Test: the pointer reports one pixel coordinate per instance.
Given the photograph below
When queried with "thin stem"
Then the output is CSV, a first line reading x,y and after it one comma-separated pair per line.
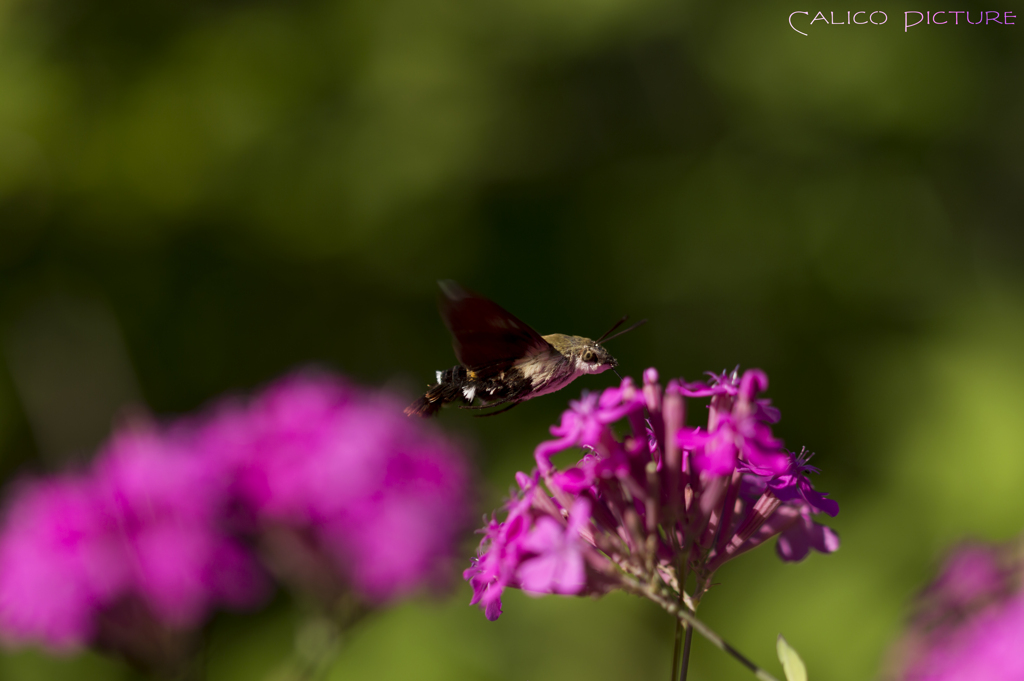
x,y
315,646
686,653
679,658
317,643
679,670
677,652
685,615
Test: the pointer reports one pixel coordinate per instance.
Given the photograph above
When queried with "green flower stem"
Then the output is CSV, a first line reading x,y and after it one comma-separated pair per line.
x,y
685,615
686,653
318,640
677,652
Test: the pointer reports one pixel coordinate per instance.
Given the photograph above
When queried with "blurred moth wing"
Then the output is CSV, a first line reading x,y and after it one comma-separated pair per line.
x,y
485,336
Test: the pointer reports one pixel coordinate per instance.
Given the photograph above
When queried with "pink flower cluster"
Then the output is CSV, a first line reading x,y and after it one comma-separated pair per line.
x,y
969,623
314,482
663,503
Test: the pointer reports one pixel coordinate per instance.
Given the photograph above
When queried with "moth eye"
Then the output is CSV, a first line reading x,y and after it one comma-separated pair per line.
x,y
588,356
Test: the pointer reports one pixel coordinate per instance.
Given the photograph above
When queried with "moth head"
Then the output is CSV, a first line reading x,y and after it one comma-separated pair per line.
x,y
592,358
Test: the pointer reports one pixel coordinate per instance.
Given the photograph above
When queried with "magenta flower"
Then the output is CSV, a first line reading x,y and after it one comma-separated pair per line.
x,y
969,623
988,646
320,483
502,550
586,422
142,528
798,536
738,425
662,503
54,573
557,563
163,506
378,498
973,575
794,486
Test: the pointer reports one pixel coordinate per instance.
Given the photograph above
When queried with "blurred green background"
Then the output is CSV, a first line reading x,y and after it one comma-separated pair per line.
x,y
198,195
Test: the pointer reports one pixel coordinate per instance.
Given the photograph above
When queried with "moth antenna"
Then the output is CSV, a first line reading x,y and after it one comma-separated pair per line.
x,y
639,323
614,326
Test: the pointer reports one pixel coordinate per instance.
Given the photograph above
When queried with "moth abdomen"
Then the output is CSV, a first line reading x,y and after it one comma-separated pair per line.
x,y
452,384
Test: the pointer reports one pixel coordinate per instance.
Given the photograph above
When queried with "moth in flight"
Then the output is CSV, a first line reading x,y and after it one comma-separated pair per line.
x,y
502,361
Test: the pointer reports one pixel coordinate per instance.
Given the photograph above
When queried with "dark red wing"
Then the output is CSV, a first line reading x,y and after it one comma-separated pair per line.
x,y
484,334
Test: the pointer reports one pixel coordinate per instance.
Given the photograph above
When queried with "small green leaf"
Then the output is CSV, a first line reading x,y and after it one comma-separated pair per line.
x,y
792,665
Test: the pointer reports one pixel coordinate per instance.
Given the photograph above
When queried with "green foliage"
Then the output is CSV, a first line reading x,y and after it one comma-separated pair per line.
x,y
792,665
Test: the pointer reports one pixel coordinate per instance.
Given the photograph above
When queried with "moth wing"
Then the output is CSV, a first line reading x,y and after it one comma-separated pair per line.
x,y
485,335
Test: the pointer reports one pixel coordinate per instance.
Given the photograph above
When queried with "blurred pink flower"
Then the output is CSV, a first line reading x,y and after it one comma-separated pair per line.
x,y
383,497
55,569
986,647
314,481
143,525
163,506
969,623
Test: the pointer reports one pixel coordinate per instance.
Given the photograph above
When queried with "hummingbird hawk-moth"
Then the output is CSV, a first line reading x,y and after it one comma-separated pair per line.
x,y
502,360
